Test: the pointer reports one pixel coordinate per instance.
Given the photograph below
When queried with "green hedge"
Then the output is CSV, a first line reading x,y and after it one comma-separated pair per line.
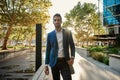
x,y
100,53
100,56
96,48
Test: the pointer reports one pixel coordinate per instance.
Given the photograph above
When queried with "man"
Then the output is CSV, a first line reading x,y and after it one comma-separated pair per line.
x,y
57,51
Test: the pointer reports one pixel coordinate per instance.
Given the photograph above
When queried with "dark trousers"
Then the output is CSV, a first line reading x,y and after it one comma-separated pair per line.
x,y
62,68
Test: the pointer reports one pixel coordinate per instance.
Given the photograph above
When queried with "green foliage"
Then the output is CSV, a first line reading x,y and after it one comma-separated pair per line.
x,y
96,48
100,53
105,49
9,46
118,41
106,60
83,19
22,13
112,51
100,56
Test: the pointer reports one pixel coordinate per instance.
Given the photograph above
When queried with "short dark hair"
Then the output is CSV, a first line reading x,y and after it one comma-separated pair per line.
x,y
57,14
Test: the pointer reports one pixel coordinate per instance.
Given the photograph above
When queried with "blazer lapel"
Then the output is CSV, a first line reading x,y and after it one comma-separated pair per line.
x,y
55,38
63,37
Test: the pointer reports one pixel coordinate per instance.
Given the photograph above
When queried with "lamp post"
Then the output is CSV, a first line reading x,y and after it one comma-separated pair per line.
x,y
98,16
38,46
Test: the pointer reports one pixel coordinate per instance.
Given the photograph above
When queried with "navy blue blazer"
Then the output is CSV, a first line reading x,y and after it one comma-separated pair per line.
x,y
52,47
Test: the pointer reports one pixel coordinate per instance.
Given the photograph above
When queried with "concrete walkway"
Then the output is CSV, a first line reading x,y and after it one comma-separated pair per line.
x,y
86,70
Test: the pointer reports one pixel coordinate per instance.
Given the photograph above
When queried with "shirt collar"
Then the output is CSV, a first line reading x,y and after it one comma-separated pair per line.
x,y
59,31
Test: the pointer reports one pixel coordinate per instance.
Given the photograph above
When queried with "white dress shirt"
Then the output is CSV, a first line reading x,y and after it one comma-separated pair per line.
x,y
59,36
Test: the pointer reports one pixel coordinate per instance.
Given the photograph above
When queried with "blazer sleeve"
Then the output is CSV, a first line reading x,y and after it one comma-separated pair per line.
x,y
48,48
72,46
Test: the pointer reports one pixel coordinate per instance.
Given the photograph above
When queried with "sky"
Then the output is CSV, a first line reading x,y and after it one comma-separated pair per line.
x,y
63,7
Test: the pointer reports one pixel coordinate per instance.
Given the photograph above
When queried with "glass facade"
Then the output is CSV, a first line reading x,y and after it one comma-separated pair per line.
x,y
111,12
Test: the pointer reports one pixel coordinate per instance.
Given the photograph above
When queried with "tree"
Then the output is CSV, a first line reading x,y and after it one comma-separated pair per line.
x,y
84,20
22,12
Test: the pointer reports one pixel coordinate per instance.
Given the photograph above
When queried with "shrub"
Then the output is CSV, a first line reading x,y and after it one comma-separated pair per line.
x,y
96,48
112,51
9,46
106,60
118,41
99,53
99,56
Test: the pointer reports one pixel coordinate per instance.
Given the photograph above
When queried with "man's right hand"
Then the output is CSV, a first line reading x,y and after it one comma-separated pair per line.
x,y
46,70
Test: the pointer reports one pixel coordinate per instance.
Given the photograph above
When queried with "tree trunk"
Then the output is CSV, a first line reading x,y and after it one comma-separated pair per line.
x,y
4,46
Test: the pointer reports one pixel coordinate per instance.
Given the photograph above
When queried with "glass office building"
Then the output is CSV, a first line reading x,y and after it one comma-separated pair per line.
x,y
111,12
111,20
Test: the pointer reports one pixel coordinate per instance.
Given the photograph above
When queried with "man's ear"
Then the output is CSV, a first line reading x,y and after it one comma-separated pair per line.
x,y
61,21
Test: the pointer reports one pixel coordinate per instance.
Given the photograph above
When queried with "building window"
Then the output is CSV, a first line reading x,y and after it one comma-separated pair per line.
x,y
111,31
119,30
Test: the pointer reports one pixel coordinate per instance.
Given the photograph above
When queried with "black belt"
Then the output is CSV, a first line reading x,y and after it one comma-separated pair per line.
x,y
61,59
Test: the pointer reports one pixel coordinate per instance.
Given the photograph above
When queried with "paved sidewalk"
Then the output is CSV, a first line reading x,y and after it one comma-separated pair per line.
x,y
86,70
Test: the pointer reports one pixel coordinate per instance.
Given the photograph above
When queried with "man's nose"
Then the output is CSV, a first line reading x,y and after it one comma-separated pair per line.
x,y
57,21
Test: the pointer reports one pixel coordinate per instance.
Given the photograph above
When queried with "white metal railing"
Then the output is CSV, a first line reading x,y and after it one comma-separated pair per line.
x,y
40,74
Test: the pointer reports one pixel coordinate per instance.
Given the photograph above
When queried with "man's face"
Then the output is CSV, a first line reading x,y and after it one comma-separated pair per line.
x,y
57,21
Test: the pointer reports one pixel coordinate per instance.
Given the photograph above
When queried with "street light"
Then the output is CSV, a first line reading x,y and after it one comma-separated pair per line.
x,y
98,16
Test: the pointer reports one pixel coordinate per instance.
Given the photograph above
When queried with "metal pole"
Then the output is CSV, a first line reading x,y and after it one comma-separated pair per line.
x,y
98,16
38,46
98,23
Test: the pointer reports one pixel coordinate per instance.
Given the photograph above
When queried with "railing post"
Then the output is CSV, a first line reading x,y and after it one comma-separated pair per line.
x,y
38,46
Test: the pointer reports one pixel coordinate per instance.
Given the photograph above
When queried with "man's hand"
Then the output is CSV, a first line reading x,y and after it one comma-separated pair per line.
x,y
71,61
46,70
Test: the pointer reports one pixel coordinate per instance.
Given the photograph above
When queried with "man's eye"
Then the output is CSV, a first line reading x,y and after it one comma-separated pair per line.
x,y
56,19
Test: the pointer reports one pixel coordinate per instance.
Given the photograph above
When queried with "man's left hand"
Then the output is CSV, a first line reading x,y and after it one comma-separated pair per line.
x,y
71,61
